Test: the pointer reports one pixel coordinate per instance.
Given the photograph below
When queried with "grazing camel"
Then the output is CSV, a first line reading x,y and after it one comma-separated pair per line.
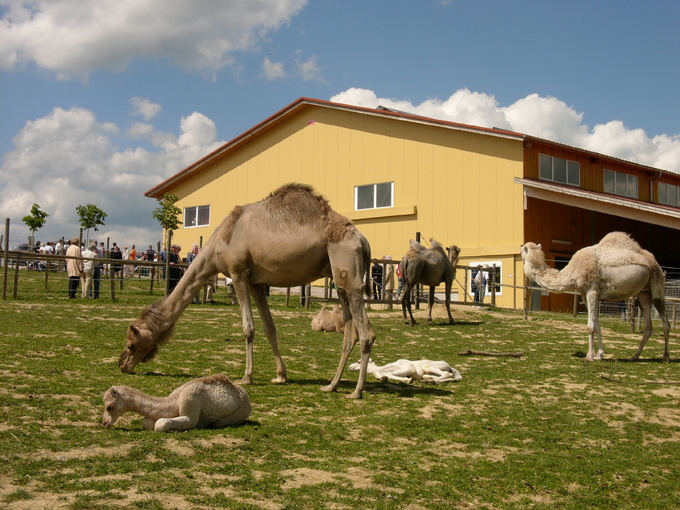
x,y
288,239
403,370
328,320
212,401
616,268
429,266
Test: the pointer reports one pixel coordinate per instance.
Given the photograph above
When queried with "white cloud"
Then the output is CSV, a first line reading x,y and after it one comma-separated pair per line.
x,y
68,158
142,107
545,117
309,69
273,70
72,37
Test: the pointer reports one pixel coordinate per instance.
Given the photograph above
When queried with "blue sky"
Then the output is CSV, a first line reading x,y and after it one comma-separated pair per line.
x,y
100,103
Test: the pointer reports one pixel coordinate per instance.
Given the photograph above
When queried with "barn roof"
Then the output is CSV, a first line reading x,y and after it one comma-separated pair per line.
x,y
381,111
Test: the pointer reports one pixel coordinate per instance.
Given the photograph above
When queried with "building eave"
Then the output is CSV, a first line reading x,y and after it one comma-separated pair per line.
x,y
602,202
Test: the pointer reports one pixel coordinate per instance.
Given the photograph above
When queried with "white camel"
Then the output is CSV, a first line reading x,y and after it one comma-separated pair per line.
x,y
614,269
329,320
212,401
404,370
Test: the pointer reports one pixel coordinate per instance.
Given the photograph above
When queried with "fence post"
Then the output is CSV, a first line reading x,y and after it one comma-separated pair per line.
x,y
287,296
151,273
47,270
465,294
308,289
493,285
575,305
112,279
6,258
168,240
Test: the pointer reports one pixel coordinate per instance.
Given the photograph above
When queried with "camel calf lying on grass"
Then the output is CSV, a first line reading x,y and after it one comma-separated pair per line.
x,y
406,371
212,401
329,320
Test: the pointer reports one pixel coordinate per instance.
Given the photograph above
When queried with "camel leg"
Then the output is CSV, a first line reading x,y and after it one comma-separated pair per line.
x,y
270,330
660,306
366,338
430,304
645,300
349,339
593,302
447,298
406,303
240,283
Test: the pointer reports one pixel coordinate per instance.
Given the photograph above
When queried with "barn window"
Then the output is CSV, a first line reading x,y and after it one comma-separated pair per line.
x,y
374,196
668,194
196,216
620,183
559,170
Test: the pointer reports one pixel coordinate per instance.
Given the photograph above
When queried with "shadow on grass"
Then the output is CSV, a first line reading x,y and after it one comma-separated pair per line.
x,y
581,354
161,374
405,390
456,324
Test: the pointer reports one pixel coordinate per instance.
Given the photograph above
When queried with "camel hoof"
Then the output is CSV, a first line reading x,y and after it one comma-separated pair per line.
x,y
355,394
245,380
666,358
280,380
633,358
328,388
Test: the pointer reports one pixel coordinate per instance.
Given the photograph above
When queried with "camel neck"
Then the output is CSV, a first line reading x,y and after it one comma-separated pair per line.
x,y
147,405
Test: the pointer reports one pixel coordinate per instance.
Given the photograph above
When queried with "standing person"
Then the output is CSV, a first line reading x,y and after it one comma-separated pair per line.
x,y
74,267
174,271
60,250
133,257
88,269
116,254
190,258
400,279
377,277
388,277
126,256
97,276
150,254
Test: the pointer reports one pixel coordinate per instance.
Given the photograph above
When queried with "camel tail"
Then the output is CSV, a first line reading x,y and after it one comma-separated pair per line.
x,y
367,266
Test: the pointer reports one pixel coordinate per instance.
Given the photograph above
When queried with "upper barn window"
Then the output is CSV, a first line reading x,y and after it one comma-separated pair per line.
x,y
374,196
620,183
669,194
559,170
197,216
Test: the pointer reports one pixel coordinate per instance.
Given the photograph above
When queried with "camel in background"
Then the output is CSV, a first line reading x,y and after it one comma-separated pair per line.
x,y
288,239
429,266
616,268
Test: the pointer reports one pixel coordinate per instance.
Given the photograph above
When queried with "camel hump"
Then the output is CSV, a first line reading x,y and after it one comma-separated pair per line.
x,y
215,379
434,244
415,245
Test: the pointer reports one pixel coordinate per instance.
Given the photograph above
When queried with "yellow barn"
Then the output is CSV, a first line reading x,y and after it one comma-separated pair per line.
x,y
398,175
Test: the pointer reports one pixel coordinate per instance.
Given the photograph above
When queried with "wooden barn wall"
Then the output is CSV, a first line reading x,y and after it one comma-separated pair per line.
x,y
555,226
592,167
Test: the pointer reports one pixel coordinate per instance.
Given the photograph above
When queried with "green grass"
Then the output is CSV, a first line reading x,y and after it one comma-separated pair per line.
x,y
547,430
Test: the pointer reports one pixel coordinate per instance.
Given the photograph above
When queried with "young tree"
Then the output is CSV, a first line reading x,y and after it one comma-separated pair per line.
x,y
90,216
36,219
167,214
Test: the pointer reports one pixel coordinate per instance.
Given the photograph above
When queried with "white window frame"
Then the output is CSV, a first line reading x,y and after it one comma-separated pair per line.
x,y
630,193
195,209
375,196
499,271
552,170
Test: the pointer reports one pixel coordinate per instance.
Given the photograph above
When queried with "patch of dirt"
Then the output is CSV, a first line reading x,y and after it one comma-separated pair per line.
x,y
84,453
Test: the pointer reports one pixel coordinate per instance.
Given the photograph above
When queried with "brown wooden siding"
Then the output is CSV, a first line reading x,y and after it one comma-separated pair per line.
x,y
592,168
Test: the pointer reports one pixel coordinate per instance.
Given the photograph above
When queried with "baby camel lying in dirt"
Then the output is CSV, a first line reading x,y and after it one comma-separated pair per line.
x,y
404,370
329,320
212,401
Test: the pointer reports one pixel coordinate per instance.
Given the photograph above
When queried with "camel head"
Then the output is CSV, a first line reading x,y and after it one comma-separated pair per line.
x,y
453,252
143,338
355,367
114,407
532,252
